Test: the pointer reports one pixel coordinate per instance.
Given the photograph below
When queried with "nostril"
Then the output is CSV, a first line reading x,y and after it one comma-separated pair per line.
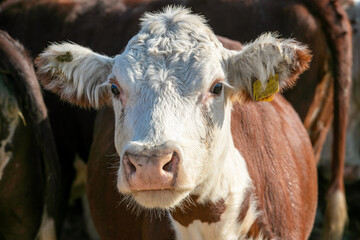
x,y
132,167
129,165
169,166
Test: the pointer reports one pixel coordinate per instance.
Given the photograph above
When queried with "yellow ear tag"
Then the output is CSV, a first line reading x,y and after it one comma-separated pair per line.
x,y
267,94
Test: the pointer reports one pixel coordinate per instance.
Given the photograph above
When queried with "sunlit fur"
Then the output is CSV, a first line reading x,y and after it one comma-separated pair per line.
x,y
80,76
165,74
267,55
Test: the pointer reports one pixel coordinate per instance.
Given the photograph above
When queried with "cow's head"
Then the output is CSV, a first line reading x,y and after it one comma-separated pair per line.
x,y
171,91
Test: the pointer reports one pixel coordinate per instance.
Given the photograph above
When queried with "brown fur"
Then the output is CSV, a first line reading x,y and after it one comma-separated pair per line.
x,y
303,62
192,210
279,142
320,115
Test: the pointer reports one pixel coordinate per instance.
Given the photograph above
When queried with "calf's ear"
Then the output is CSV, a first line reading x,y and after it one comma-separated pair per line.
x,y
265,66
76,74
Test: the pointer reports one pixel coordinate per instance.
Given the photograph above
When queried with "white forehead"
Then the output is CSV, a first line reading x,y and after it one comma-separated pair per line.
x,y
173,47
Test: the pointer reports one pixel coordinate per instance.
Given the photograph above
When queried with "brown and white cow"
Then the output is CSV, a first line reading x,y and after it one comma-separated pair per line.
x,y
220,169
321,24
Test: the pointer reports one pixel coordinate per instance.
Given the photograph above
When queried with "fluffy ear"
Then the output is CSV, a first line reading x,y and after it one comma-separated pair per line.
x,y
76,74
263,58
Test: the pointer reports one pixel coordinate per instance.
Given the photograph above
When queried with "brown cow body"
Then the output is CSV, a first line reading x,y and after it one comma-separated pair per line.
x,y
29,171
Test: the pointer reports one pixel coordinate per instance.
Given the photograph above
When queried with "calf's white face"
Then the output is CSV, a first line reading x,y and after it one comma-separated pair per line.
x,y
170,90
171,101
166,106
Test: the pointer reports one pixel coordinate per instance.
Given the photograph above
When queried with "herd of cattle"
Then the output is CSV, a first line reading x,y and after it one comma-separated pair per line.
x,y
171,123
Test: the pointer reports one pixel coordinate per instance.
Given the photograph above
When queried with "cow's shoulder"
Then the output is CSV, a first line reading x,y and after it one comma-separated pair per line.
x,y
273,141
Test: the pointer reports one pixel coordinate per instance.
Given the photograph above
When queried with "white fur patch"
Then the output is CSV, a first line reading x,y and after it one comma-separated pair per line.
x,y
47,230
226,229
76,70
267,55
197,230
221,185
335,216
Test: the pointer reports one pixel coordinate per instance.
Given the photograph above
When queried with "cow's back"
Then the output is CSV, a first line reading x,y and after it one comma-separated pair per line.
x,y
280,160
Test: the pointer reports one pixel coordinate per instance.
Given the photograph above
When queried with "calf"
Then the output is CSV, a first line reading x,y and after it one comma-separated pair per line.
x,y
191,141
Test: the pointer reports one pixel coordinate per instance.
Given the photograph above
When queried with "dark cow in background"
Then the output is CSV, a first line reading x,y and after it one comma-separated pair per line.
x,y
29,167
74,20
86,22
353,130
352,163
353,133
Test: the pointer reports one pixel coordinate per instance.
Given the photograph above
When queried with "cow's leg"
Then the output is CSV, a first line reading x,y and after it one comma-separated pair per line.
x,y
47,229
320,115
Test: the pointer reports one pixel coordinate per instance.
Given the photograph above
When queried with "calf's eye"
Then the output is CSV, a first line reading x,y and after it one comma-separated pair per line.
x,y
216,89
115,90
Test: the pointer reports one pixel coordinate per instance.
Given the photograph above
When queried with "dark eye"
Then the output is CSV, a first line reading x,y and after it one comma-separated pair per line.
x,y
216,89
115,90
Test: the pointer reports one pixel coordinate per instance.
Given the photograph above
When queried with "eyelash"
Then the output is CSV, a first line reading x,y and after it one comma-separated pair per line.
x,y
216,89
